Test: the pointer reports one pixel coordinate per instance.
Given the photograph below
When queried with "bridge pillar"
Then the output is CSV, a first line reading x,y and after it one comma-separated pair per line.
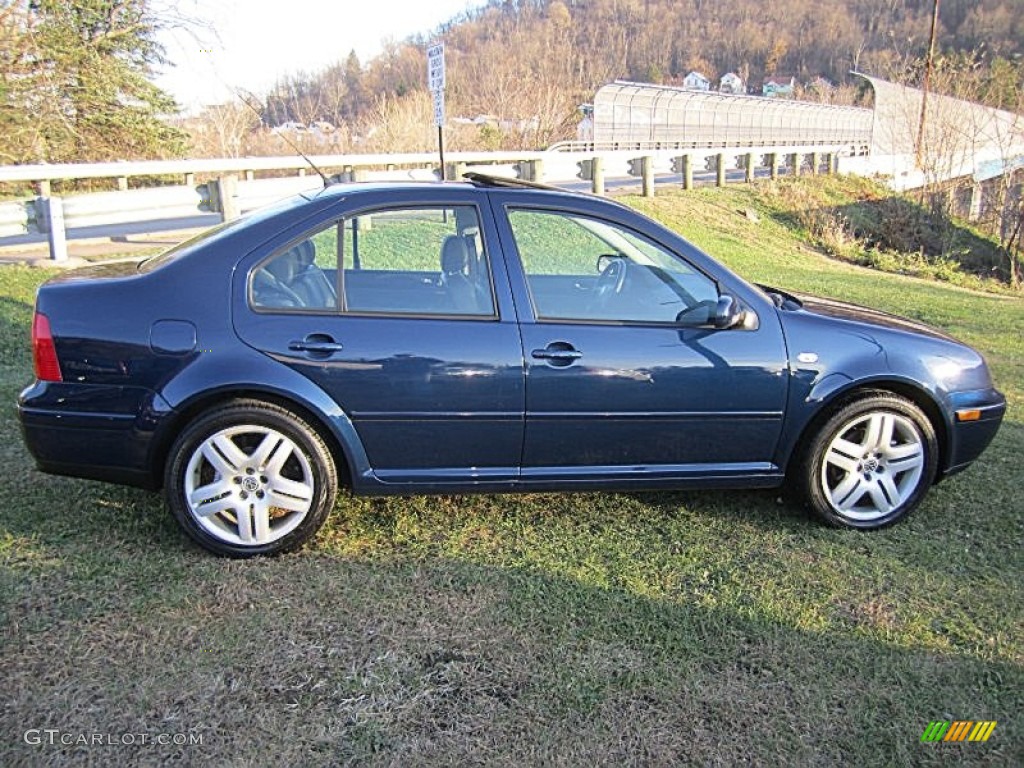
x,y
774,165
815,163
977,199
720,169
750,168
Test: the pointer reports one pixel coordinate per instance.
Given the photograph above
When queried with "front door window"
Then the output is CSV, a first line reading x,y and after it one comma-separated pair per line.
x,y
583,269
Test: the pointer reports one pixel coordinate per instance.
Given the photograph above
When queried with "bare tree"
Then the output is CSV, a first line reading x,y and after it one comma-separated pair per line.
x,y
224,130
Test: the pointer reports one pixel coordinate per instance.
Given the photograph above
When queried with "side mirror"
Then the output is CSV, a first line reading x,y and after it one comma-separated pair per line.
x,y
727,312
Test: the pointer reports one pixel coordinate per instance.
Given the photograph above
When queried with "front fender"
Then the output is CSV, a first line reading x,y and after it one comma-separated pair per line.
x,y
829,360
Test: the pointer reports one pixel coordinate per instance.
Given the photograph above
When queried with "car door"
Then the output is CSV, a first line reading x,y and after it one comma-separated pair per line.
x,y
626,375
401,313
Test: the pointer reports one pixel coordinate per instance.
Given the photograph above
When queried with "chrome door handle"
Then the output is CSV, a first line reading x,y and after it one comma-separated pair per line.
x,y
556,354
559,354
317,343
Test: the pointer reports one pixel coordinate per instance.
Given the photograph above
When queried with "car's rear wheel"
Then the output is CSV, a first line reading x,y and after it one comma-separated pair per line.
x,y
871,463
250,478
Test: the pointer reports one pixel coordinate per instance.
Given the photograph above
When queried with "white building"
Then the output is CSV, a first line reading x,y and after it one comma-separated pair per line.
x,y
732,83
695,81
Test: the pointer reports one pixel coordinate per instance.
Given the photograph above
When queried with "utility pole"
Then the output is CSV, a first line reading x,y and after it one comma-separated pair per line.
x,y
924,86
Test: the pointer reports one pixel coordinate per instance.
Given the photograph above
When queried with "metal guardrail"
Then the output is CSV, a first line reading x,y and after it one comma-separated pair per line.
x,y
234,190
852,148
247,166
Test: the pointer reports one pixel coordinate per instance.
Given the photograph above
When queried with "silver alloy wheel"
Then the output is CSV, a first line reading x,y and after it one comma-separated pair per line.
x,y
249,485
873,465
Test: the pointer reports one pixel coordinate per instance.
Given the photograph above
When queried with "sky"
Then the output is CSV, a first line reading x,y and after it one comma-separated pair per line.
x,y
249,44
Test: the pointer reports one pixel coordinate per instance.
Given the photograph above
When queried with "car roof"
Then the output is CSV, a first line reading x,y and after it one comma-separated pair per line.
x,y
473,180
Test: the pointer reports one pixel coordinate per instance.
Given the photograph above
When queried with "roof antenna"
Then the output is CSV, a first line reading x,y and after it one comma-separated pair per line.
x,y
242,95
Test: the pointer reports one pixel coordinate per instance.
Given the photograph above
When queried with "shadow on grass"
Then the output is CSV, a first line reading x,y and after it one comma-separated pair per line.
x,y
341,660
596,629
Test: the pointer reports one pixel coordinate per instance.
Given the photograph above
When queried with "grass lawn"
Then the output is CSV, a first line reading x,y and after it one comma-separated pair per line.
x,y
718,628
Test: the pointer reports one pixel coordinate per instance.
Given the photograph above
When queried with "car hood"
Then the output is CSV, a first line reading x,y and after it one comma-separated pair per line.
x,y
844,310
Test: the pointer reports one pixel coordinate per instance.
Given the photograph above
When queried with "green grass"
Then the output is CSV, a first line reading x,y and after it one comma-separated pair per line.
x,y
717,628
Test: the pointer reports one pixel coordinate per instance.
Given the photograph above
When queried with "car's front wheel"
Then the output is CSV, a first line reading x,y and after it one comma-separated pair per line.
x,y
870,463
250,478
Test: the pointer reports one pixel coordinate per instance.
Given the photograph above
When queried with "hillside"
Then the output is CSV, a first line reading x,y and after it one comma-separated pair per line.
x,y
517,59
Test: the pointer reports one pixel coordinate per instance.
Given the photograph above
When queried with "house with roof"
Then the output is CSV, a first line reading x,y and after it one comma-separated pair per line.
x,y
778,86
822,87
695,81
732,83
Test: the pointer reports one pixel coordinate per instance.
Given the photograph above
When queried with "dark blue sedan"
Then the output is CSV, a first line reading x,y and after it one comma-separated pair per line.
x,y
479,337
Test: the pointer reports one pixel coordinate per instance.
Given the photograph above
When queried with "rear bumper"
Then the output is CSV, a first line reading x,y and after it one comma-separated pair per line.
x,y
99,433
969,438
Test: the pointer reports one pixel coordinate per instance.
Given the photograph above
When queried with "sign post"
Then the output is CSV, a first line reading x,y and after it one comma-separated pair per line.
x,y
435,78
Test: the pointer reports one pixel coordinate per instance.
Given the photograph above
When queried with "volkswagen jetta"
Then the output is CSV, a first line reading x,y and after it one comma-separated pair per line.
x,y
479,337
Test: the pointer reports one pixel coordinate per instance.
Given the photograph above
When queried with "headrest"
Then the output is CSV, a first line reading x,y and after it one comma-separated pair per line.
x,y
305,253
290,263
283,267
453,255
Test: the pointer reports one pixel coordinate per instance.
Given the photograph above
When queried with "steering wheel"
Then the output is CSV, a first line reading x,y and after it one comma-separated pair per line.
x,y
610,282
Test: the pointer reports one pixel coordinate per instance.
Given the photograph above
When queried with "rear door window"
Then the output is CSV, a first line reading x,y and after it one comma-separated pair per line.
x,y
403,261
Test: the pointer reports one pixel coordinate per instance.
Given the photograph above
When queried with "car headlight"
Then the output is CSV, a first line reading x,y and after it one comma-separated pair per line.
x,y
954,374
944,369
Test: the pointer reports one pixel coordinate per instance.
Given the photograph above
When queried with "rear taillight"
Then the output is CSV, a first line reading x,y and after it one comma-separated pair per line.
x,y
44,353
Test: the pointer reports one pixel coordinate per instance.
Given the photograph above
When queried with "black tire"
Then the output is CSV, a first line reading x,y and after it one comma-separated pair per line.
x,y
881,481
270,480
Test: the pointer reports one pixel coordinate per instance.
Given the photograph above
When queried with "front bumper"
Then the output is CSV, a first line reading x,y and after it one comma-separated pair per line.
x,y
968,439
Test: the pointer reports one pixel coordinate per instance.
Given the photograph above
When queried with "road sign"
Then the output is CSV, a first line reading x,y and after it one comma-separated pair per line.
x,y
435,67
435,78
439,108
